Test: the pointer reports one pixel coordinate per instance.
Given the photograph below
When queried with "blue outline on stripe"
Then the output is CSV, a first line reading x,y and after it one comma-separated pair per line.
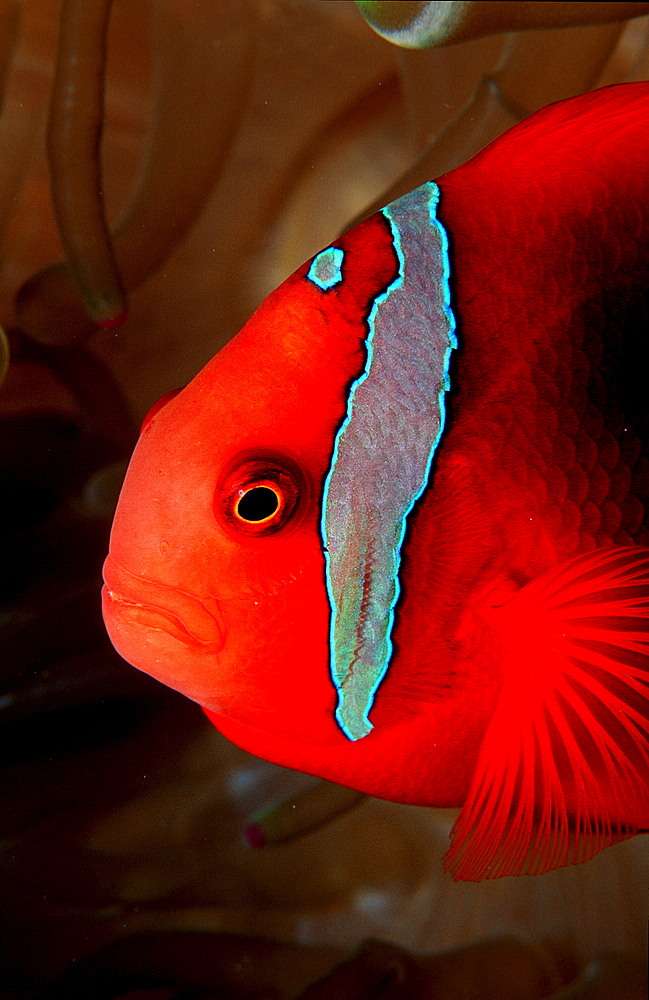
x,y
433,201
331,259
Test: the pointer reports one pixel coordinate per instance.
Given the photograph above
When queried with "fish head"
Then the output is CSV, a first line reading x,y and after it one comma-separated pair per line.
x,y
215,579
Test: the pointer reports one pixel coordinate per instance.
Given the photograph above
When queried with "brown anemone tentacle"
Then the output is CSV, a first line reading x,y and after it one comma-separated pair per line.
x,y
10,18
74,137
421,25
573,60
302,814
203,73
4,355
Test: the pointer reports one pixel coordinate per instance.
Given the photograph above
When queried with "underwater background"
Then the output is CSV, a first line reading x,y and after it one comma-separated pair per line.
x,y
239,136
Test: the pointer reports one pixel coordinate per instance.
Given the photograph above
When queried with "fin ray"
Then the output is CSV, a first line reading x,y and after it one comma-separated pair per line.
x,y
565,759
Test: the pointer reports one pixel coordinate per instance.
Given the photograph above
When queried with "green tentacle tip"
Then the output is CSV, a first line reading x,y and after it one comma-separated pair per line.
x,y
106,310
415,24
388,17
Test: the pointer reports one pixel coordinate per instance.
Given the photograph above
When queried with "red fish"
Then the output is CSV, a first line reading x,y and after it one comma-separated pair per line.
x,y
396,533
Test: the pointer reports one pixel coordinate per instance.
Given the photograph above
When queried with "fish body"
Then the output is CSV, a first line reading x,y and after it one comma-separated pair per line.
x,y
396,532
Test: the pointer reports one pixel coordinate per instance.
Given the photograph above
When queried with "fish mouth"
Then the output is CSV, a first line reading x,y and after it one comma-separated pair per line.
x,y
136,600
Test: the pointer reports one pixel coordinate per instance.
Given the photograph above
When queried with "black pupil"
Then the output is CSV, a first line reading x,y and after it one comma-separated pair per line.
x,y
258,504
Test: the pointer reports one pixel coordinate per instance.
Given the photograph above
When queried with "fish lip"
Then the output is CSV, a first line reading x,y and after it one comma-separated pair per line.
x,y
164,608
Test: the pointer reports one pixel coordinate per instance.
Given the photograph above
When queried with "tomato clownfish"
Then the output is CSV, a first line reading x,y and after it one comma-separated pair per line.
x,y
396,533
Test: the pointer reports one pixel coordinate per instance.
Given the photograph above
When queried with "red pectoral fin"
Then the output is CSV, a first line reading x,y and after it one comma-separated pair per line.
x,y
564,766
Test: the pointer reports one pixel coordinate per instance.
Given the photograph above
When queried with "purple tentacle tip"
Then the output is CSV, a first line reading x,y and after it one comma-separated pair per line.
x,y
113,321
255,836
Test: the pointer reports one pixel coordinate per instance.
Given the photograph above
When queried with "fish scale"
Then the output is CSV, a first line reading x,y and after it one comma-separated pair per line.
x,y
573,367
443,597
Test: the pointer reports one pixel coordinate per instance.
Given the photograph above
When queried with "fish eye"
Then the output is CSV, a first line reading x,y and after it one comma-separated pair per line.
x,y
258,504
260,495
